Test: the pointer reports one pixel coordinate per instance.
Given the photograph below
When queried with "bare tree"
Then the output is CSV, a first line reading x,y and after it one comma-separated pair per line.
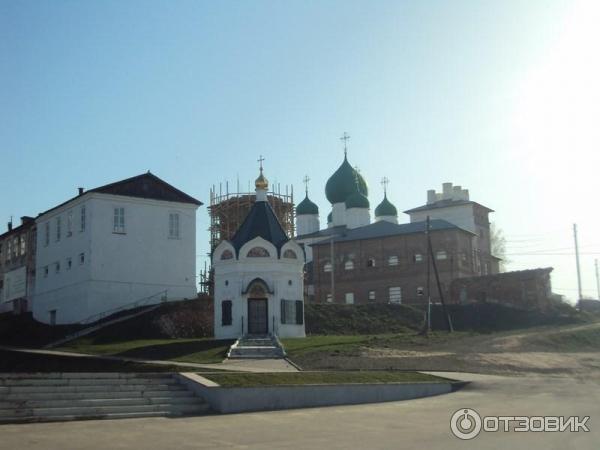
x,y
498,245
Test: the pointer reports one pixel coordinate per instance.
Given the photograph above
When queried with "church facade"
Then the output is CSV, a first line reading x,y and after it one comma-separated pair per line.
x,y
259,277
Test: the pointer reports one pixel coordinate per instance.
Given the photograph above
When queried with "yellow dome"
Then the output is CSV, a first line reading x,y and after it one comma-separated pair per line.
x,y
261,182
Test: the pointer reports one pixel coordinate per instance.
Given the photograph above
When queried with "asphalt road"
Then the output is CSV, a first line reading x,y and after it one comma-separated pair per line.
x,y
422,423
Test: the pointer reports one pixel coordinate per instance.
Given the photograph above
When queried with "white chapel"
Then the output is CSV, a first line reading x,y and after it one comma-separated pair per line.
x,y
259,277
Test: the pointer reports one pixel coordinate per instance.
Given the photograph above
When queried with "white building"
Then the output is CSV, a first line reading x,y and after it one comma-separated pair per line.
x,y
113,246
259,277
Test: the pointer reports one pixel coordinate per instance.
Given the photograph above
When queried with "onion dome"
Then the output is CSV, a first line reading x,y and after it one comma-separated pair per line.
x,y
357,200
330,217
306,207
343,183
385,208
261,182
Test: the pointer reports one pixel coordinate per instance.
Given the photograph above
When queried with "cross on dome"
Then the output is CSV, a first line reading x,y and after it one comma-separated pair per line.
x,y
345,137
384,182
305,181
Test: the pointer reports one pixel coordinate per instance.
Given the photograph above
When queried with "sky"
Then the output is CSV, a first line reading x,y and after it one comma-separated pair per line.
x,y
502,98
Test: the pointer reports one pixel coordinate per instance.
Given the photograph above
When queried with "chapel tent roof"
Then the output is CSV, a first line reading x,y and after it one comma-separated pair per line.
x,y
262,222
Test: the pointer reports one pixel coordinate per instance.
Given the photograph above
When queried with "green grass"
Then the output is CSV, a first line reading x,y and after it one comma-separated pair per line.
x,y
201,351
245,379
578,340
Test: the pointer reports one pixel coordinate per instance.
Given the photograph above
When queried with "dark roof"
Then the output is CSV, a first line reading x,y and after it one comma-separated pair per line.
x,y
323,233
27,222
383,229
262,222
146,185
445,204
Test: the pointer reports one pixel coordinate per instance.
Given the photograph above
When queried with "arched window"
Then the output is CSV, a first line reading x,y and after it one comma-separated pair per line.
x,y
290,254
258,252
327,267
349,265
227,255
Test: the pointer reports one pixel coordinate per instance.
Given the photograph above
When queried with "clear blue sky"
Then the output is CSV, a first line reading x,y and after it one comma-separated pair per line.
x,y
501,97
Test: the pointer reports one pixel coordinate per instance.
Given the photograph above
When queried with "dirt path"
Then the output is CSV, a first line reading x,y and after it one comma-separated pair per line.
x,y
572,350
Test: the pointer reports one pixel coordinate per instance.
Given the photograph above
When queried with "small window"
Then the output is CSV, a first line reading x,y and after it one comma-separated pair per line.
x,y
82,219
371,262
81,258
226,317
58,229
327,267
258,252
46,270
226,282
57,267
47,234
226,255
69,263
349,298
441,254
395,295
372,296
119,220
289,282
418,257
23,245
292,312
393,261
329,298
173,226
349,265
290,254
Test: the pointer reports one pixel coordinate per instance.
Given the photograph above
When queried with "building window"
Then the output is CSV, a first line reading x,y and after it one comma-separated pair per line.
x,y
16,248
290,254
292,312
47,234
371,262
417,257
173,226
58,221
70,223
23,245
82,219
46,270
349,298
119,220
81,258
393,261
329,298
57,267
69,263
226,318
8,250
258,252
226,255
349,265
395,295
372,296
327,267
441,254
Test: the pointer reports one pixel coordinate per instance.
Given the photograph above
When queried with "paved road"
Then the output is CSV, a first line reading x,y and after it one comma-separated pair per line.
x,y
422,423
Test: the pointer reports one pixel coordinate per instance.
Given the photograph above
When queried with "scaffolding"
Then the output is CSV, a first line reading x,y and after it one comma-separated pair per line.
x,y
229,209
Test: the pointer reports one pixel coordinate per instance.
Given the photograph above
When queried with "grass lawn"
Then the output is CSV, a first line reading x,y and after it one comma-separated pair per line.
x,y
245,379
21,362
202,351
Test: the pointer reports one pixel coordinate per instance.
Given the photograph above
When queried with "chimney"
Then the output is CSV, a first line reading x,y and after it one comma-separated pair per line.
x,y
456,193
10,225
431,197
26,219
447,191
80,189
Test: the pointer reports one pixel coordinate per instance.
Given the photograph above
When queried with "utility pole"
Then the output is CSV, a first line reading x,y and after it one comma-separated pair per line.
x,y
428,279
597,280
577,261
439,286
332,259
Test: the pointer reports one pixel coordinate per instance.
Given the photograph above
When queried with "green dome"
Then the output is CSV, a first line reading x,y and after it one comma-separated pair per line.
x,y
357,200
343,183
330,217
385,208
306,207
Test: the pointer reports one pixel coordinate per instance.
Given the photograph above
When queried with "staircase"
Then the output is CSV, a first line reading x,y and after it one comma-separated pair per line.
x,y
76,396
256,347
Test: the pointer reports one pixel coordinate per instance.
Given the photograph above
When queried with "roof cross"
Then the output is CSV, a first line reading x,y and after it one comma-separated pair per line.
x,y
384,182
260,161
345,137
306,180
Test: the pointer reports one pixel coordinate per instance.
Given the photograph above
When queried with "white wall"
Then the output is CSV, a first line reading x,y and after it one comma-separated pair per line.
x,y
459,215
307,223
119,269
357,217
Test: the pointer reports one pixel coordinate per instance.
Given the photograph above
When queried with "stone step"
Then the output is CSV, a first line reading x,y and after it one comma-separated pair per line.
x,y
58,382
165,412
40,396
93,402
102,410
89,388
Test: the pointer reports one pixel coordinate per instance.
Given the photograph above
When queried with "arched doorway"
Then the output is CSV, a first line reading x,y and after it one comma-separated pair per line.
x,y
258,309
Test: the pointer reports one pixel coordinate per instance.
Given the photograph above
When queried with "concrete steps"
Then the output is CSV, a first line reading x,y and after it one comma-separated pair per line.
x,y
251,347
76,396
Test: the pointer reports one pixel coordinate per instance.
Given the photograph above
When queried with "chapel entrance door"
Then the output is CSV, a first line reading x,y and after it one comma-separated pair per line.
x,y
257,316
